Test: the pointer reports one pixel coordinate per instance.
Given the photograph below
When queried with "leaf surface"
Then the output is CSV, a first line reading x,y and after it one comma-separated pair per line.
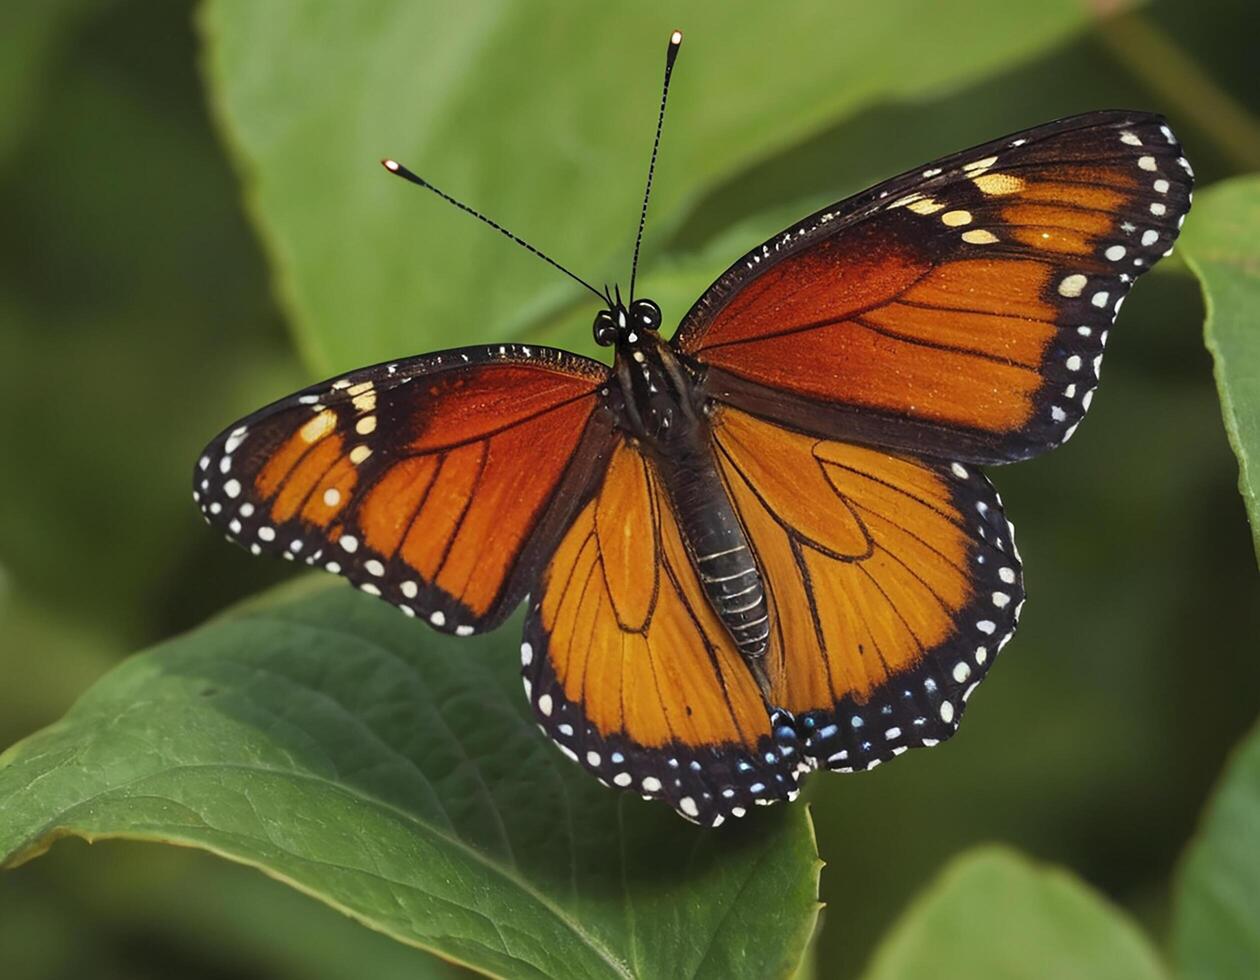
x,y
993,913
1215,932
542,120
394,774
1222,246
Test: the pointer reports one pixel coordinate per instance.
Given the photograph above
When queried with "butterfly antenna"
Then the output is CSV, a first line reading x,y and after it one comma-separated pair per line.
x,y
671,53
394,167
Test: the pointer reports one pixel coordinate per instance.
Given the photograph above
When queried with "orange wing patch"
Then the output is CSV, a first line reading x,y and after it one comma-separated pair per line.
x,y
290,490
961,310
917,355
631,672
438,484
874,650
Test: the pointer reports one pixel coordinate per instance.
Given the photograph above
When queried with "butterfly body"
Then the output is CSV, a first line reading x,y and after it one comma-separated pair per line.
x,y
663,408
765,545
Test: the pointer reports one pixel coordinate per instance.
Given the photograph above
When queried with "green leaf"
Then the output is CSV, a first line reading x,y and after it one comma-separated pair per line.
x,y
993,913
1216,930
541,119
87,911
396,775
1222,245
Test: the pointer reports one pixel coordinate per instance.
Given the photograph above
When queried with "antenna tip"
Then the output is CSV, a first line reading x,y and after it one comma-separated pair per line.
x,y
676,38
391,165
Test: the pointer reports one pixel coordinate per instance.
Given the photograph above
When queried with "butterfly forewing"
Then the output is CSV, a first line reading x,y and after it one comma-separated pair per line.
x,y
438,483
960,310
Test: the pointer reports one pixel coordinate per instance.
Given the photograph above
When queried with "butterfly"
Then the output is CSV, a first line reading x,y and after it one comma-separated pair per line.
x,y
766,545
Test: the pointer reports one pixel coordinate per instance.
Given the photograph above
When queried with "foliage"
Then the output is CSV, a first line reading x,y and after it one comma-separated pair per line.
x,y
1223,248
992,913
1219,902
406,267
399,779
139,304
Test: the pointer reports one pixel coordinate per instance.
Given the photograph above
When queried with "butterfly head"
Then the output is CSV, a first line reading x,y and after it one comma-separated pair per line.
x,y
626,327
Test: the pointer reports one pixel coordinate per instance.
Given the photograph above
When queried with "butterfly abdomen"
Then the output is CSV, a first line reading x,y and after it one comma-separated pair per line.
x,y
719,549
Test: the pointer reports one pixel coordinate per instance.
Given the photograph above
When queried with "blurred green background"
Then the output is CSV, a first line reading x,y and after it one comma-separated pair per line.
x,y
138,315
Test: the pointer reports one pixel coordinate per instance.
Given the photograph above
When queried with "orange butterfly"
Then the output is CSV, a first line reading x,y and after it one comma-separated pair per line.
x,y
764,546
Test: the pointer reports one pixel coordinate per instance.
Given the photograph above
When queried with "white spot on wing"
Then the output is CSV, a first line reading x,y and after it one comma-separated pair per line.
x,y
1072,285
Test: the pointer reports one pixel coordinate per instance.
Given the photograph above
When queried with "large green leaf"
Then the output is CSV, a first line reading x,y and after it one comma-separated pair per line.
x,y
541,117
1222,245
1217,927
992,913
396,775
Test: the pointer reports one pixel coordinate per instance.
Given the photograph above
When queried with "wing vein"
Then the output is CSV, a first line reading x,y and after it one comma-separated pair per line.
x,y
424,498
491,433
830,321
463,513
937,345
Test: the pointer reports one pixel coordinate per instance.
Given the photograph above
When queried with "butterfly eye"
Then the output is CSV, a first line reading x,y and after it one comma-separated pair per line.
x,y
605,329
645,314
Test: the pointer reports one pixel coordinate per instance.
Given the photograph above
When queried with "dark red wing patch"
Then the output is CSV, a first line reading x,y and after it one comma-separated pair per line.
x,y
439,483
959,311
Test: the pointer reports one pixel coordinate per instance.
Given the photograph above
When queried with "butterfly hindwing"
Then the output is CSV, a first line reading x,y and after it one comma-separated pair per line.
x,y
630,671
438,483
893,583
959,311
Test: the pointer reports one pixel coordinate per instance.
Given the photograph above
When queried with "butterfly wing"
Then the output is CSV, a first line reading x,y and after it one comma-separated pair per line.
x,y
439,483
958,311
893,582
630,671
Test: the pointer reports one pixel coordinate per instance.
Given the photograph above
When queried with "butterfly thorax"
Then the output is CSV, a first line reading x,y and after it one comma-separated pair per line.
x,y
660,403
